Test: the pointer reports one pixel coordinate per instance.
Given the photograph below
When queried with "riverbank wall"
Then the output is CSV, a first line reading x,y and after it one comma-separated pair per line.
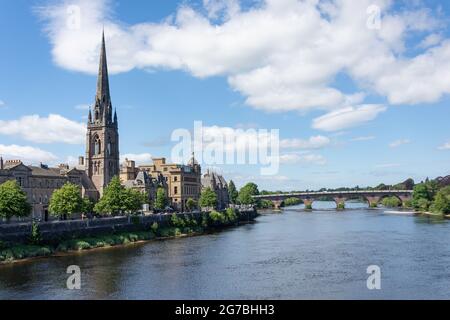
x,y
71,229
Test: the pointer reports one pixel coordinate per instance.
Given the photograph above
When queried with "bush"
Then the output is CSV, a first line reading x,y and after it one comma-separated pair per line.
x,y
154,228
231,215
391,202
217,218
177,222
35,237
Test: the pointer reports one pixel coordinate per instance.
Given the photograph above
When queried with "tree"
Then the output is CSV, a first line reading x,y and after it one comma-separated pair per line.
x,y
391,202
117,199
421,196
88,206
441,202
161,199
208,198
246,193
232,192
66,201
13,201
191,204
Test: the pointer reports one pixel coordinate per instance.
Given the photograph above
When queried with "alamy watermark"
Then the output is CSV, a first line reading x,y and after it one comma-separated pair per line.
x,y
217,146
74,280
374,280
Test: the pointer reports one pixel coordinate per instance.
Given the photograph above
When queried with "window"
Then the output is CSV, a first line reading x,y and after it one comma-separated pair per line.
x,y
175,190
97,146
175,179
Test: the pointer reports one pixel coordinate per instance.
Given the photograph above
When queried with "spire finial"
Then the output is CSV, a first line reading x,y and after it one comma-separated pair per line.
x,y
103,82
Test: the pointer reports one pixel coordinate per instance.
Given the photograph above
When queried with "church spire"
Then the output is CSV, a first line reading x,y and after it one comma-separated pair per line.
x,y
103,82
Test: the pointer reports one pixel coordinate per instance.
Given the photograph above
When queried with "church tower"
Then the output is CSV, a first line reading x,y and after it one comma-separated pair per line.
x,y
102,142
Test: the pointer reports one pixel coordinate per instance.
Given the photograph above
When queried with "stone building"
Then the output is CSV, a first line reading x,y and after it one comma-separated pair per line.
x,y
218,184
39,183
133,178
181,181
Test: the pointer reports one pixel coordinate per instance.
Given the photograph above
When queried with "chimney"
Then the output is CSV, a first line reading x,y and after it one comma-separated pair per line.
x,y
81,161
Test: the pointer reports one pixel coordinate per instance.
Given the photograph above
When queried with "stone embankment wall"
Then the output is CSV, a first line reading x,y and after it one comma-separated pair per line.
x,y
57,230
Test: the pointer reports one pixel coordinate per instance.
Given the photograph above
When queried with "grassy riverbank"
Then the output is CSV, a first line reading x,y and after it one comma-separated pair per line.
x,y
178,227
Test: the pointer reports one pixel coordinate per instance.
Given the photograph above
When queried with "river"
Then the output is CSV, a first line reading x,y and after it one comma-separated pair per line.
x,y
322,254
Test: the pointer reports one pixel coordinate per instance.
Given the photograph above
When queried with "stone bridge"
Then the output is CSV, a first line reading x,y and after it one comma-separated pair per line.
x,y
373,197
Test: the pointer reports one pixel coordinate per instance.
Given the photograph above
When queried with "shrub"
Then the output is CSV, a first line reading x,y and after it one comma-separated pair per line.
x,y
35,237
391,202
231,215
177,222
154,227
217,217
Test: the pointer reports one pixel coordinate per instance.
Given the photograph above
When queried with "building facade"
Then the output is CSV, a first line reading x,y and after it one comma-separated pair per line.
x,y
181,182
39,183
218,184
134,178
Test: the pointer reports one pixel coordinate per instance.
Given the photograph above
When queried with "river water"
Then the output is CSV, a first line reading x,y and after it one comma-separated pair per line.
x,y
294,255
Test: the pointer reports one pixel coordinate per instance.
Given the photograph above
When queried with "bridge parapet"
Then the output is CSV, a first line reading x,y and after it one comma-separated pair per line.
x,y
372,196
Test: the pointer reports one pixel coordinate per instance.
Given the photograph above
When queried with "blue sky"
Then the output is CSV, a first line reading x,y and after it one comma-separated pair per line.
x,y
396,112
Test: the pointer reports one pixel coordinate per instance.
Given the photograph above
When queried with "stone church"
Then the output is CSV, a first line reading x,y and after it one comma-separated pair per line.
x,y
93,172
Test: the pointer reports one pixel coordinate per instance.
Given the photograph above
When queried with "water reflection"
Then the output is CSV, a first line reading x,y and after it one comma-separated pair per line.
x,y
294,255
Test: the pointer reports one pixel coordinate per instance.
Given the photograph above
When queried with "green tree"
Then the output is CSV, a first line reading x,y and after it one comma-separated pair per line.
x,y
391,202
191,204
208,198
117,199
161,201
88,205
246,193
233,194
35,236
13,201
132,200
421,196
441,202
66,201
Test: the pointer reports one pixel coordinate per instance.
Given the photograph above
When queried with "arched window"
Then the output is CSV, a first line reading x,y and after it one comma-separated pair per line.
x,y
97,145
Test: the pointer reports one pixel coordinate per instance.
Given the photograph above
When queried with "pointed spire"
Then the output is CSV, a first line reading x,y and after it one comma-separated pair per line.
x,y
115,116
90,116
103,82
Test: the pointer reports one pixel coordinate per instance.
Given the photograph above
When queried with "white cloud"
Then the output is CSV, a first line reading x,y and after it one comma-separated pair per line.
x,y
317,142
348,117
142,158
52,129
445,146
399,142
26,153
2,103
282,55
365,138
294,158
